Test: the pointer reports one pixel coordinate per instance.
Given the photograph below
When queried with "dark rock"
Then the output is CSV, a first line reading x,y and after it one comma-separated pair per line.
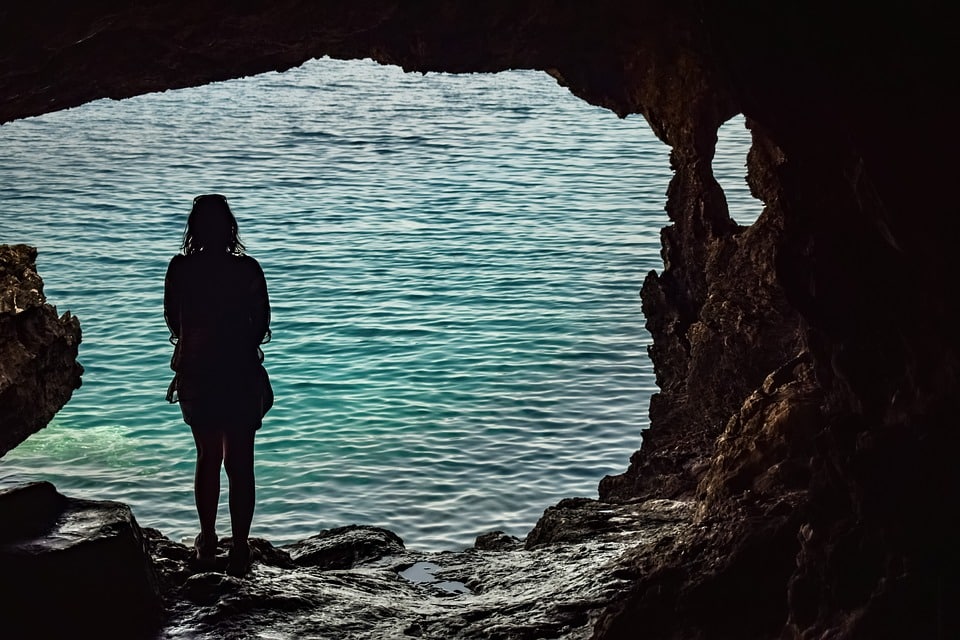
x,y
345,547
766,446
725,333
263,552
209,587
38,350
177,568
576,520
85,569
695,584
497,541
29,510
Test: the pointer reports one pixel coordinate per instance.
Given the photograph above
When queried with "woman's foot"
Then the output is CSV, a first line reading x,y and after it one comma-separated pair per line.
x,y
205,550
238,563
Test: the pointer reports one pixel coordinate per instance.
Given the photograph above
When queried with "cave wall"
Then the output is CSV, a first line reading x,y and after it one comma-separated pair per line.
x,y
807,364
830,488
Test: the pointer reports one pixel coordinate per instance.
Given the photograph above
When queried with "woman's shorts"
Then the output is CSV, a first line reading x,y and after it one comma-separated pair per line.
x,y
238,403
244,411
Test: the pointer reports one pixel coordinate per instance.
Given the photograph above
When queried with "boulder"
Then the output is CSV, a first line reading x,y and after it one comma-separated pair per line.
x,y
345,547
38,350
73,567
497,541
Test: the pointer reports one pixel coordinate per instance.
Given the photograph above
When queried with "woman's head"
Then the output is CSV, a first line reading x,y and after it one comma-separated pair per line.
x,y
211,226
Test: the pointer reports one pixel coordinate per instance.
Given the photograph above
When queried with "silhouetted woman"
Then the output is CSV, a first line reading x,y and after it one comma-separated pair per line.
x,y
216,305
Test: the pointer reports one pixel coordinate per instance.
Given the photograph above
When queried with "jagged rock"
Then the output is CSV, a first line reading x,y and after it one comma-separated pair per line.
x,y
208,587
345,547
753,502
697,584
725,334
579,519
38,350
497,541
73,566
766,447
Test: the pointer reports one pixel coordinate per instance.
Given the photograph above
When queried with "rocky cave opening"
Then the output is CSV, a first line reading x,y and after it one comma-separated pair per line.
x,y
112,446
807,364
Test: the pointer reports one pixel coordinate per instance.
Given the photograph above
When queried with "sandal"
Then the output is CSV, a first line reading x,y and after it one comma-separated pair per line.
x,y
238,563
204,550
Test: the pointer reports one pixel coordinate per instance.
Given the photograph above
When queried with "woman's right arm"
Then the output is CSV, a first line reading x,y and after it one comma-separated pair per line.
x,y
171,299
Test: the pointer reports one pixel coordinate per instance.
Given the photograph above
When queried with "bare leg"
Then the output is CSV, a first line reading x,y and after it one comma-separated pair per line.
x,y
206,481
238,460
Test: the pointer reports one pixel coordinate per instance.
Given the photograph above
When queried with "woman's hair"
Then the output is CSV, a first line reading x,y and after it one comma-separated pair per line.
x,y
211,225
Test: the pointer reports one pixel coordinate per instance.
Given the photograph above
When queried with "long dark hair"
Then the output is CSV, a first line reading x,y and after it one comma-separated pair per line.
x,y
211,225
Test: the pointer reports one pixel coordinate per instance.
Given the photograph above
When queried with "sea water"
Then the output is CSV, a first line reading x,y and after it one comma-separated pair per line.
x,y
453,264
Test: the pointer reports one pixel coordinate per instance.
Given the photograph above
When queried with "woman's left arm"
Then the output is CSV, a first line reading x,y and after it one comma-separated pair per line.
x,y
260,307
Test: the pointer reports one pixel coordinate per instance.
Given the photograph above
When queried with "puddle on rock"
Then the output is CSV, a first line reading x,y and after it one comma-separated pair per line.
x,y
424,573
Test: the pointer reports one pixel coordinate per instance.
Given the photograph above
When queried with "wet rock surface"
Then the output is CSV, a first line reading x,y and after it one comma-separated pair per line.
x,y
38,350
555,590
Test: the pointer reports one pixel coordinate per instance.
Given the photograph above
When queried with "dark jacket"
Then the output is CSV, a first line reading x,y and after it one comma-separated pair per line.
x,y
218,311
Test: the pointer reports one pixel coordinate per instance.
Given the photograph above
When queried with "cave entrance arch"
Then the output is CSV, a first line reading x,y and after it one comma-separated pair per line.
x,y
264,192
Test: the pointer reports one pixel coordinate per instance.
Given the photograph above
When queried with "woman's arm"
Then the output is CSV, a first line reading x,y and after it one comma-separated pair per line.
x,y
171,300
260,305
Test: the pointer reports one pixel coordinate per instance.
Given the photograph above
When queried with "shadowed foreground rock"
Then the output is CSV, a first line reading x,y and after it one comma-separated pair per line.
x,y
38,350
73,568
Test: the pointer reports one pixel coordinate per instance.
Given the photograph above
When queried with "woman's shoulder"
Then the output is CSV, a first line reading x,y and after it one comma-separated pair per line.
x,y
176,262
248,262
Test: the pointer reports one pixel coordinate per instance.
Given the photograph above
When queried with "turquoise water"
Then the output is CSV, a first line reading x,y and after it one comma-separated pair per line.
x,y
453,263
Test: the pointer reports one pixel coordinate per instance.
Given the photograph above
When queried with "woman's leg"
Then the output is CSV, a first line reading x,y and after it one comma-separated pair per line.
x,y
206,481
238,460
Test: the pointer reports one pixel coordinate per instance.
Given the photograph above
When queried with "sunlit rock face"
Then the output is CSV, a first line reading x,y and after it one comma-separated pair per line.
x,y
808,364
38,350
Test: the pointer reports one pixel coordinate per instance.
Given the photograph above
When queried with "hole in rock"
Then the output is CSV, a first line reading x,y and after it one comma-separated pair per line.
x,y
453,262
730,170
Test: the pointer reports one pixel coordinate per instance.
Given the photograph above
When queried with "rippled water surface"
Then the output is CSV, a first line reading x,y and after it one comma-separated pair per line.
x,y
453,263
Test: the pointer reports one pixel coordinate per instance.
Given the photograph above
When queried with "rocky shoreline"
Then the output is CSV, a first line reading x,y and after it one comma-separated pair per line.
x,y
90,562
